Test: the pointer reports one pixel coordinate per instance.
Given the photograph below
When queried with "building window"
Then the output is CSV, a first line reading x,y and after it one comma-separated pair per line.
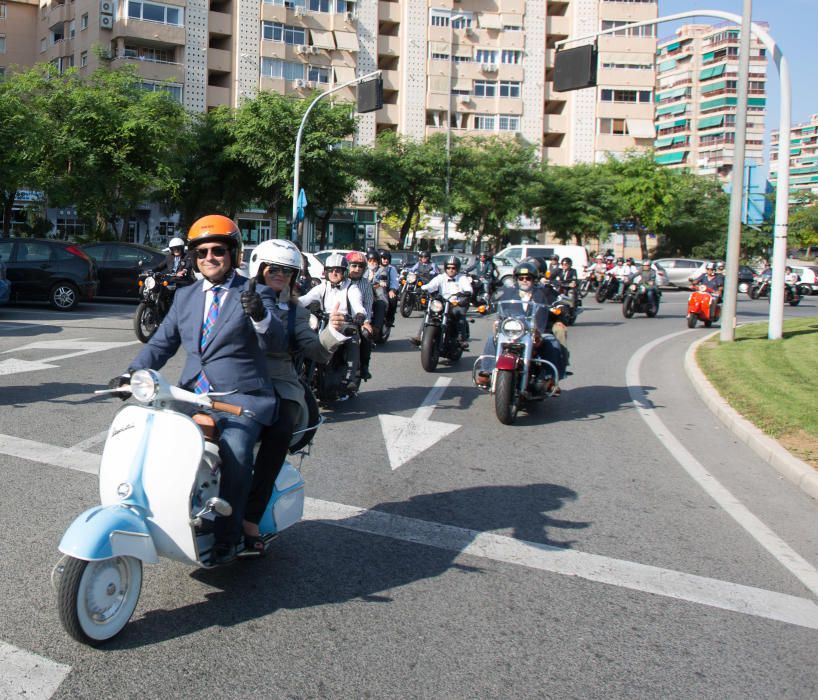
x,y
625,95
276,68
509,88
484,122
440,57
2,43
72,29
439,18
509,123
648,31
69,229
154,12
511,56
2,10
318,74
147,53
462,59
327,5
485,88
512,28
461,22
275,31
43,45
628,66
485,56
174,91
287,3
83,59
613,126
84,21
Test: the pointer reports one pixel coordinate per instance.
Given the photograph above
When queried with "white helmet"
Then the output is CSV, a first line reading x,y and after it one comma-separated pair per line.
x,y
336,260
275,252
176,243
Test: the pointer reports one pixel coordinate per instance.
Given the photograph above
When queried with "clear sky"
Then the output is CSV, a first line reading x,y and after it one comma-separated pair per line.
x,y
793,25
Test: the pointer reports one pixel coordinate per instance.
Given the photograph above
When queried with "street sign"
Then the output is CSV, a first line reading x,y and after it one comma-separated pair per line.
x,y
575,68
370,95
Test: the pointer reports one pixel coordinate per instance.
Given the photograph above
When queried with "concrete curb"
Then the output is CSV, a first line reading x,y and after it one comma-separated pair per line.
x,y
795,470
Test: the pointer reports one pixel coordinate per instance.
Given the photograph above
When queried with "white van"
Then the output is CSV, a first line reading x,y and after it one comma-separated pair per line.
x,y
577,253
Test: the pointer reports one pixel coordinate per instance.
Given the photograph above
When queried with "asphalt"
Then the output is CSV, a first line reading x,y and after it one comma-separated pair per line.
x,y
770,450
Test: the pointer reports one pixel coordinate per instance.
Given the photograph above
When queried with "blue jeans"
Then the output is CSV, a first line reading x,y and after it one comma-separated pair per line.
x,y
238,438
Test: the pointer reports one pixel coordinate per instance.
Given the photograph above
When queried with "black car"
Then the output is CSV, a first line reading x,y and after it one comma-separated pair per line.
x,y
44,270
120,265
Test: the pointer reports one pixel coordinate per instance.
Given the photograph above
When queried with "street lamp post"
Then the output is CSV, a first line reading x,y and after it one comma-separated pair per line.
x,y
448,187
297,159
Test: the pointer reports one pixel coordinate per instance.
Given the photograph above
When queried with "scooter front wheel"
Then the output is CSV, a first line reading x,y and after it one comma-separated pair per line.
x,y
95,599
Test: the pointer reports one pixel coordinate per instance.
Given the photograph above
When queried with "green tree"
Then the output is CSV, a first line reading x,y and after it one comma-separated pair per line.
x,y
493,184
803,220
576,202
404,174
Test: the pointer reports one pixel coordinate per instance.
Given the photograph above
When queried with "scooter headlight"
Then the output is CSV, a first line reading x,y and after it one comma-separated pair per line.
x,y
150,283
143,386
513,328
436,305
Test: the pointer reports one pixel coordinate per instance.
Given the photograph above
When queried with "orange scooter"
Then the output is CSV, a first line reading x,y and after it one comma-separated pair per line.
x,y
703,305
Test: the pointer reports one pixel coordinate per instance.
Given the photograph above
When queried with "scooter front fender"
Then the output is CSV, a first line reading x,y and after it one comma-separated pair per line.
x,y
104,532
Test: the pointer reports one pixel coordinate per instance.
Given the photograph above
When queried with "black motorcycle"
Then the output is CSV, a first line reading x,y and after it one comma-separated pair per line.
x,y
156,292
760,288
483,294
338,379
412,297
607,289
637,300
439,336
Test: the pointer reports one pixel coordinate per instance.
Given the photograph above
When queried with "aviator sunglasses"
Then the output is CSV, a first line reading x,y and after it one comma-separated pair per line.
x,y
218,251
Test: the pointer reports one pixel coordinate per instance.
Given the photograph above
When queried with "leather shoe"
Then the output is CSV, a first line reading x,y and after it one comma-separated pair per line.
x,y
224,554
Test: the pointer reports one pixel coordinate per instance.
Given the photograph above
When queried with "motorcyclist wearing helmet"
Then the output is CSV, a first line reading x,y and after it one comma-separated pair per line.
x,y
225,326
553,265
176,262
336,293
276,264
553,349
357,265
566,279
598,266
714,283
622,272
647,276
424,267
393,286
486,270
378,278
451,283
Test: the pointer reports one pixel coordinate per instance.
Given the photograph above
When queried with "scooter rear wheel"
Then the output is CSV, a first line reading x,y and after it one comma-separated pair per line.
x,y
691,320
95,599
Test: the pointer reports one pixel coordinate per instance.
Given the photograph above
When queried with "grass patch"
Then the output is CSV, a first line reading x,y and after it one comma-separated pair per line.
x,y
772,383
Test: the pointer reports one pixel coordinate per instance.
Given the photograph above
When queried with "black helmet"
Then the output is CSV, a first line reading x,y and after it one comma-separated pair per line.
x,y
555,258
425,254
620,261
386,254
536,263
568,260
630,261
527,268
452,260
372,254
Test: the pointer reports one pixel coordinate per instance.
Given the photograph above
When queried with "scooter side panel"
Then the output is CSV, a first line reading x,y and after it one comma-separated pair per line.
x,y
157,453
103,532
286,506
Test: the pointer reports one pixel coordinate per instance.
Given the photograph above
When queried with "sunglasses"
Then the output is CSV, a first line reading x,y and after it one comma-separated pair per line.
x,y
451,267
336,269
218,251
356,264
278,270
524,278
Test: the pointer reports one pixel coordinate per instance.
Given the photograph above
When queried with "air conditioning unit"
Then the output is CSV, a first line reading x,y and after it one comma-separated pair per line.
x,y
315,49
106,22
106,7
488,67
351,17
298,83
300,11
302,48
310,84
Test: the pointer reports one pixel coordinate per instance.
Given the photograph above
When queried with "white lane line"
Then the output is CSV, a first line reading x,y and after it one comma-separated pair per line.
x,y
90,442
649,579
26,675
624,574
786,555
49,454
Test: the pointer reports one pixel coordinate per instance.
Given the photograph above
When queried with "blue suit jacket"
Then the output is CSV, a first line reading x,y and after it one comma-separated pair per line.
x,y
235,355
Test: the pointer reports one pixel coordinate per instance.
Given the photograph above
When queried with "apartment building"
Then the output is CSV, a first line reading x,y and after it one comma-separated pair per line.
x,y
803,156
696,98
477,67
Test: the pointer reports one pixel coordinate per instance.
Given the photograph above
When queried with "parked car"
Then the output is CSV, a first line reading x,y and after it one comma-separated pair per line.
x,y
44,270
679,270
5,285
577,253
119,266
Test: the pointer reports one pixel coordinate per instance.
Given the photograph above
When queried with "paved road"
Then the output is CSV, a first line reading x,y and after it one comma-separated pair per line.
x,y
578,553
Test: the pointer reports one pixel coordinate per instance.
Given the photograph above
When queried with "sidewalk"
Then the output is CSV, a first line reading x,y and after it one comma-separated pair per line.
x,y
790,467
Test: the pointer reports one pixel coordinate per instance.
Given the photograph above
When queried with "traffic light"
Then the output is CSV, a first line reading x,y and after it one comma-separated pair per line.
x,y
370,95
575,68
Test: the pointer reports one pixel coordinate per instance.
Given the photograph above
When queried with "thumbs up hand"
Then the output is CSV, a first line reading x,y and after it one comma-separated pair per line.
x,y
251,302
336,318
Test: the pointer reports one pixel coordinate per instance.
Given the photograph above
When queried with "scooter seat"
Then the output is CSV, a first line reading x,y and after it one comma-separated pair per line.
x,y
208,425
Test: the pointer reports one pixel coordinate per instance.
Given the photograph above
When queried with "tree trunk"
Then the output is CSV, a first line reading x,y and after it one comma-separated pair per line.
x,y
325,227
407,222
578,238
643,244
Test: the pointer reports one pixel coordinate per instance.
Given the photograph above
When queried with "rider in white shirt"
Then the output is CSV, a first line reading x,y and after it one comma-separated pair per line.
x,y
451,282
336,289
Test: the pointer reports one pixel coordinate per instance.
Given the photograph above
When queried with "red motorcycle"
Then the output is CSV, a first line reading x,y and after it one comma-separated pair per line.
x,y
703,305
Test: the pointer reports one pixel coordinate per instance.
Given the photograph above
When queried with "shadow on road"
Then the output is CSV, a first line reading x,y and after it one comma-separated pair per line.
x,y
317,564
12,329
50,392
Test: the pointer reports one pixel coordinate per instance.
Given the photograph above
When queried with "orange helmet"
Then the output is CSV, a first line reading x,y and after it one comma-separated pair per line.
x,y
216,228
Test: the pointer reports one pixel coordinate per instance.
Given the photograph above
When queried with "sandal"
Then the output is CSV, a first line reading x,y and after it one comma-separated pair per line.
x,y
255,546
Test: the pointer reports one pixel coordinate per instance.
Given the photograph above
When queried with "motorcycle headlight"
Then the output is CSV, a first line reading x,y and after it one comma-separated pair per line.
x,y
411,277
633,287
143,385
150,283
436,306
513,328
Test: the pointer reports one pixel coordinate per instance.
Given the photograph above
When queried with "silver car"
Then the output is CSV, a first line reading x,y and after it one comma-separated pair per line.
x,y
678,270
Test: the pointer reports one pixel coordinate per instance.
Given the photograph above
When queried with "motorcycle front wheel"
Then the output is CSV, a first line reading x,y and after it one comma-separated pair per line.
x,y
407,305
429,351
753,292
601,293
505,400
95,599
145,322
653,309
627,307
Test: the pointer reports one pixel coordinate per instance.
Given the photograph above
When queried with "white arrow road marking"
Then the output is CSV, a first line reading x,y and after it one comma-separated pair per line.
x,y
734,597
784,554
408,437
26,675
76,346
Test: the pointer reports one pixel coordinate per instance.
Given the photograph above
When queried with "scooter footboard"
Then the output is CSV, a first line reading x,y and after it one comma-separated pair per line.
x,y
104,532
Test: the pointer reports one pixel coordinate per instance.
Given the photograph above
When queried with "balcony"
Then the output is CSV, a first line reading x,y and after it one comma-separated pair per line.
x,y
557,25
389,114
150,31
555,123
219,60
221,23
391,78
389,45
389,11
217,96
152,70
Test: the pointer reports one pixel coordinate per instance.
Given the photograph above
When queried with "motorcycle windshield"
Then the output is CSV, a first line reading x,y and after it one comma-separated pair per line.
x,y
536,314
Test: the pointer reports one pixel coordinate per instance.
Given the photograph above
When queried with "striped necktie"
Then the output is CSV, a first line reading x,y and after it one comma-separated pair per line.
x,y
202,384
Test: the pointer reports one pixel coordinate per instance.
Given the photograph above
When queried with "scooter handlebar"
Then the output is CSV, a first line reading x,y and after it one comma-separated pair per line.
x,y
226,408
